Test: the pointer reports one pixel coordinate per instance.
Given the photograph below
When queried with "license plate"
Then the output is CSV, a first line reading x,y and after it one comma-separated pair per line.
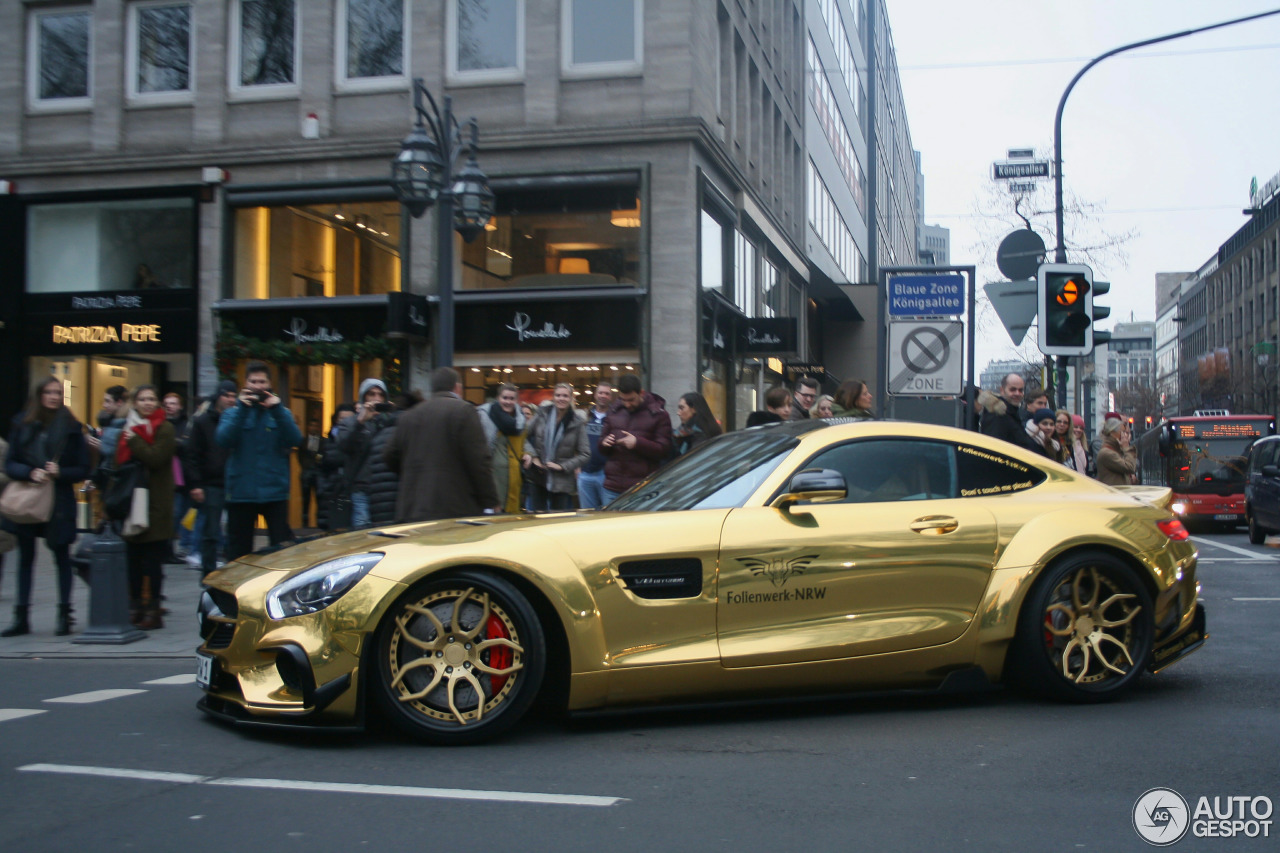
x,y
204,670
1227,516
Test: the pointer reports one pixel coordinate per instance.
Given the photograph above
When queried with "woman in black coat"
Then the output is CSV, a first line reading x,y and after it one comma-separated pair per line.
x,y
46,442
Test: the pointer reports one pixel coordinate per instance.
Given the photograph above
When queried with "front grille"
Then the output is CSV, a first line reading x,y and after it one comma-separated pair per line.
x,y
226,602
221,637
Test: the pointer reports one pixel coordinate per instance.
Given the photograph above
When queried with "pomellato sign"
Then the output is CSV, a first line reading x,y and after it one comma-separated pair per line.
x,y
540,325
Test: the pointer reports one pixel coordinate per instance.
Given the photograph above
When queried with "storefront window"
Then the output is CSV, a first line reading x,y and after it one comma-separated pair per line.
x,y
85,379
317,250
562,238
537,382
138,244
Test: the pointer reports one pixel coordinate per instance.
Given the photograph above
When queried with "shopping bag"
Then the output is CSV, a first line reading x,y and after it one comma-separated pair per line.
x,y
27,503
138,520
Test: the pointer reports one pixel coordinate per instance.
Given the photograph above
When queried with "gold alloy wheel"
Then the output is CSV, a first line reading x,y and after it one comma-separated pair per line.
x,y
454,655
1089,627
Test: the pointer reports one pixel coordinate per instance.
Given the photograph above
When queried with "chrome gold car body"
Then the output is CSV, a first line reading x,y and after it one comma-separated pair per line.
x,y
715,578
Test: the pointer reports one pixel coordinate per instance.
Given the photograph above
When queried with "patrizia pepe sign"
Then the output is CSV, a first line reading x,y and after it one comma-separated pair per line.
x,y
525,330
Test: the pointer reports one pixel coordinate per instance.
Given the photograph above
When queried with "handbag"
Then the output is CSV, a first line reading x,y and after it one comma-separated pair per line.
x,y
138,520
27,503
117,496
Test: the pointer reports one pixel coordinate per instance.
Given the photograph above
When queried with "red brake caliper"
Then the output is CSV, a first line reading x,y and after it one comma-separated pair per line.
x,y
500,657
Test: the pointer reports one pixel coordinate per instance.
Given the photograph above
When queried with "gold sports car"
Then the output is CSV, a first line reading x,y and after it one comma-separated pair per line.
x,y
817,556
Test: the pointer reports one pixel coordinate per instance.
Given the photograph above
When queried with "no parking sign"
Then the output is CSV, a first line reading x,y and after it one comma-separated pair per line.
x,y
925,358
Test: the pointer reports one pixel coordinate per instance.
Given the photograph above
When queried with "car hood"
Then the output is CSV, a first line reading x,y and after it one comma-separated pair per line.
x,y
457,531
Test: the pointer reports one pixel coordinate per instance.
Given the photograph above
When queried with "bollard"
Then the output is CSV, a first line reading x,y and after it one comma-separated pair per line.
x,y
109,593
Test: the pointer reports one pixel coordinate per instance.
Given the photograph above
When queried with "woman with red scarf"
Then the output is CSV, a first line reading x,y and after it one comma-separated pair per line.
x,y
149,439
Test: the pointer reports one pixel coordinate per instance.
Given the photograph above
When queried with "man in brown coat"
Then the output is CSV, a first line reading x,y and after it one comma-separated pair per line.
x,y
440,453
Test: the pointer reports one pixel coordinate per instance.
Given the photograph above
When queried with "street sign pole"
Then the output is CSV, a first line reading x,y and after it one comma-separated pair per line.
x,y
969,377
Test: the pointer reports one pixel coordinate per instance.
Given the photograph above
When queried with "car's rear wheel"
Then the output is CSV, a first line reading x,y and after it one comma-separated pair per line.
x,y
459,658
1257,534
1085,631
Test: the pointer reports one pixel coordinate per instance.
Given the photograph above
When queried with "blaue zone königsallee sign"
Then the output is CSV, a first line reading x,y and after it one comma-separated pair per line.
x,y
932,295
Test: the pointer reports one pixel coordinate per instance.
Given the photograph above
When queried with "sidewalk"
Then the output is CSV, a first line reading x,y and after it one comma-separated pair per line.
x,y
177,639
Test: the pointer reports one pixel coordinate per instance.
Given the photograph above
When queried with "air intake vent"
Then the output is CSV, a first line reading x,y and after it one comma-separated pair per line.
x,y
675,578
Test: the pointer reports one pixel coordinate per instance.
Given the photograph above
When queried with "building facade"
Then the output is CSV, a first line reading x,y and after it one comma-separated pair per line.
x,y
1230,358
1168,288
696,192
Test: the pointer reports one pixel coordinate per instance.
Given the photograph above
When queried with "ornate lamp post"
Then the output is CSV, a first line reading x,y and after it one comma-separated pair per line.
x,y
422,175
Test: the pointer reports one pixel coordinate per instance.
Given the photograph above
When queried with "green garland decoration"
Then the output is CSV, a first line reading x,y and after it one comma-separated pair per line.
x,y
233,346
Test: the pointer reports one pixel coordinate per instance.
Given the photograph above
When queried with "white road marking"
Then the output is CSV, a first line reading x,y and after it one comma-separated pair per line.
x,y
1239,561
7,714
93,696
326,787
185,678
1255,599
1235,549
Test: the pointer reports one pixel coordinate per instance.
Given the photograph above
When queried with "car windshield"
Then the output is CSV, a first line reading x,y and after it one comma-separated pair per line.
x,y
721,474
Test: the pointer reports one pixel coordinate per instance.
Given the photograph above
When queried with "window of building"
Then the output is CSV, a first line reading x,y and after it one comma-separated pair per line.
x,y
557,237
712,261
486,40
603,37
133,244
746,269
263,44
159,51
372,42
337,249
59,53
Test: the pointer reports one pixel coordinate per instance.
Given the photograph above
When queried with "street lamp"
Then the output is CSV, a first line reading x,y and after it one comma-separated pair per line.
x,y
422,175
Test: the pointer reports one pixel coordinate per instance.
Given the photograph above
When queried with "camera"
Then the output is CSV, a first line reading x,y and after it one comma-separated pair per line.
x,y
383,408
259,395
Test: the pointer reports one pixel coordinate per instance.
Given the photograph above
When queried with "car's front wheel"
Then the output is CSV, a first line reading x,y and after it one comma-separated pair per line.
x,y
1085,631
460,658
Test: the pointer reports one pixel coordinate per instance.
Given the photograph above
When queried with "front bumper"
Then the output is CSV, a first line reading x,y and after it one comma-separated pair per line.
x,y
303,671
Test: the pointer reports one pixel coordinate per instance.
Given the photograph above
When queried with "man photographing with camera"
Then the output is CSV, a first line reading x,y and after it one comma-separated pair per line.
x,y
259,434
362,440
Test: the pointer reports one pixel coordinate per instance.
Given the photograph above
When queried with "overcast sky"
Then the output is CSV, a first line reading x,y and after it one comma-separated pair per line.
x,y
1165,138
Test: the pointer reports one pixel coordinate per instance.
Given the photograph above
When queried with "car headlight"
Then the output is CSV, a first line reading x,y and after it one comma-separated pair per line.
x,y
318,587
1178,507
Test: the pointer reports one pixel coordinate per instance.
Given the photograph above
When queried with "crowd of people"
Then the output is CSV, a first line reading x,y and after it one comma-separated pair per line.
x,y
210,477
1027,419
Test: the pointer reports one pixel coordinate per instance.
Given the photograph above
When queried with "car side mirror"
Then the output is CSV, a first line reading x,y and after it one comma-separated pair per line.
x,y
816,485
1272,471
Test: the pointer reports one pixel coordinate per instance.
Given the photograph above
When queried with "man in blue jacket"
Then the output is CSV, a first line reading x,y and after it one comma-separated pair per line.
x,y
259,434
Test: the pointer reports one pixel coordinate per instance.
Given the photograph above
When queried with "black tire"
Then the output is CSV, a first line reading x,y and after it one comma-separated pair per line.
x,y
497,651
1257,533
1060,649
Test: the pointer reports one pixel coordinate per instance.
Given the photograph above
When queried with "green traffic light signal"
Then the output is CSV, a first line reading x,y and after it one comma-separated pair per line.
x,y
1064,302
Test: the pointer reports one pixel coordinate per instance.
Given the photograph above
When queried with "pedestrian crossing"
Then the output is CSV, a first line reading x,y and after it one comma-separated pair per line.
x,y
91,697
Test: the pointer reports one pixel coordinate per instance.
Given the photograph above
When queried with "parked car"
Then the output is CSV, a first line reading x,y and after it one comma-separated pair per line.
x,y
1262,489
802,557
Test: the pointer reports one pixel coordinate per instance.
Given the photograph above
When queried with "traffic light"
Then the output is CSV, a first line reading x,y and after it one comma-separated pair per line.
x,y
1099,312
1064,294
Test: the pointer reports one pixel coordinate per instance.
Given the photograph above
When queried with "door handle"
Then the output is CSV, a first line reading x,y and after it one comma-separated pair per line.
x,y
935,525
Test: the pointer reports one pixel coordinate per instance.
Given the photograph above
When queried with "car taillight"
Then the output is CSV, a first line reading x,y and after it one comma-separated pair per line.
x,y
1174,529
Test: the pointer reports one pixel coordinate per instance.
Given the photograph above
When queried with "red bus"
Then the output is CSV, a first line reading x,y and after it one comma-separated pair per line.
x,y
1203,459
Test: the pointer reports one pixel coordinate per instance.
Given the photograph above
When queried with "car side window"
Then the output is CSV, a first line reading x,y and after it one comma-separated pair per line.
x,y
1266,454
877,471
983,473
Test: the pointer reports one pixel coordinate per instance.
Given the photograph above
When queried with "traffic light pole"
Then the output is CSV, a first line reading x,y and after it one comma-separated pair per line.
x,y
1060,249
